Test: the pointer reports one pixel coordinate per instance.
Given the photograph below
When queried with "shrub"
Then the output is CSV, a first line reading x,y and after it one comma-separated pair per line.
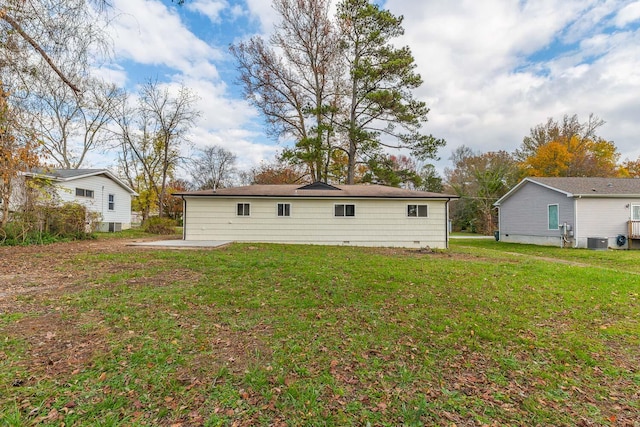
x,y
45,223
157,225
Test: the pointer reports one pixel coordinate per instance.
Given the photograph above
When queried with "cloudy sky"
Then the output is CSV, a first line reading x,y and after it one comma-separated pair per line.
x,y
491,69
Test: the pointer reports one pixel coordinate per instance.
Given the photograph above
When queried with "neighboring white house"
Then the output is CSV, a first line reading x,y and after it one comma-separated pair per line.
x,y
97,189
358,215
598,213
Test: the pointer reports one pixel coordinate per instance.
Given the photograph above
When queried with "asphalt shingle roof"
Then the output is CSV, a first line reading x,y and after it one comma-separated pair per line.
x,y
579,186
339,191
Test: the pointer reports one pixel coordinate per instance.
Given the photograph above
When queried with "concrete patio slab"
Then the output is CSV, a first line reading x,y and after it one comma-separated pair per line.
x,y
178,244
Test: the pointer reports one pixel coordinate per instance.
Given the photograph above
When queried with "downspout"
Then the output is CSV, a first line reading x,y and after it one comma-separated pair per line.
x,y
575,221
499,222
446,223
184,218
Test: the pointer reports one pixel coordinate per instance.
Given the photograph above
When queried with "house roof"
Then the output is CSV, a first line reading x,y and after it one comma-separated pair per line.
x,y
319,190
583,187
66,175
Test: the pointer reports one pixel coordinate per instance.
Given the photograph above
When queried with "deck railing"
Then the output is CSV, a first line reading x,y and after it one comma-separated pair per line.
x,y
634,229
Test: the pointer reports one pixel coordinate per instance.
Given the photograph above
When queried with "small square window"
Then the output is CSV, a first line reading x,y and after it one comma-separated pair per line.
x,y
243,209
284,209
345,210
418,211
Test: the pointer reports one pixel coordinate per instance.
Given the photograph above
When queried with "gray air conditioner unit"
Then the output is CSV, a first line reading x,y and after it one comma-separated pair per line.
x,y
597,243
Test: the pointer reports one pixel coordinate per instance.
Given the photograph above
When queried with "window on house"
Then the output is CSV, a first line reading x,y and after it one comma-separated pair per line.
x,y
81,192
112,202
418,211
244,209
345,210
284,209
635,212
553,217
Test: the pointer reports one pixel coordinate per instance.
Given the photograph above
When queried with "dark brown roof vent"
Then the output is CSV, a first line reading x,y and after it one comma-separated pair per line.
x,y
318,185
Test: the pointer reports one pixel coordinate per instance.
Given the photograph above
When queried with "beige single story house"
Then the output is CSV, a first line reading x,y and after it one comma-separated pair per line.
x,y
319,213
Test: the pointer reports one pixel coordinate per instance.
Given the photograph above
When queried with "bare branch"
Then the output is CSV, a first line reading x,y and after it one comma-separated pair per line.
x,y
4,16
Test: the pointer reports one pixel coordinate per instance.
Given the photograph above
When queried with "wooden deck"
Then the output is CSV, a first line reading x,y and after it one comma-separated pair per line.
x,y
634,230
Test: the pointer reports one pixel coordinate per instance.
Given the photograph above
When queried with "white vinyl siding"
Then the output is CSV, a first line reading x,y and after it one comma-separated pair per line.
x,y
378,222
602,218
101,187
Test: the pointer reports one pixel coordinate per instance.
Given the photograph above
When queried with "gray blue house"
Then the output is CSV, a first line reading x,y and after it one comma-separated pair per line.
x,y
598,213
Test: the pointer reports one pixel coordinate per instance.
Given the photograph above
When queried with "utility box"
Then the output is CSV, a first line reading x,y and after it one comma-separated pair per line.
x,y
598,243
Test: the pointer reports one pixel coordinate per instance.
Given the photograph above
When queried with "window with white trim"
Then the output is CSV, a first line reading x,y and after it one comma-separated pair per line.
x,y
82,192
244,209
635,212
112,202
284,209
553,216
344,210
418,211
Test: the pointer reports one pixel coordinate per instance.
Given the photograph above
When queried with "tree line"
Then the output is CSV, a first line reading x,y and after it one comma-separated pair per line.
x,y
333,84
557,148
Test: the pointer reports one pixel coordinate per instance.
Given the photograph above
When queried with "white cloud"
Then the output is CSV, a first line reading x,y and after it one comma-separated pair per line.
x,y
492,70
264,13
628,14
147,32
486,93
210,8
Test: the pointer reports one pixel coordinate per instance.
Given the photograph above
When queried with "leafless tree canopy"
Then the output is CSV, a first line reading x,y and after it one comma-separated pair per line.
x,y
151,133
293,79
214,167
58,33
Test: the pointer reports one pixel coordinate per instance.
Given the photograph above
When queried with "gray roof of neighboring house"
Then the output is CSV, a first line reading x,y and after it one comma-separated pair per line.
x,y
318,190
64,175
583,187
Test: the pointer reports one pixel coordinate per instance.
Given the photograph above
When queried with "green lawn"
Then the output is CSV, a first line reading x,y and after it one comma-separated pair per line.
x,y
482,334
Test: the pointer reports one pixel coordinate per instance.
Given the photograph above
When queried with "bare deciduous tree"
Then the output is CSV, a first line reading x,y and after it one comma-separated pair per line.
x,y
61,33
293,80
152,133
214,167
72,125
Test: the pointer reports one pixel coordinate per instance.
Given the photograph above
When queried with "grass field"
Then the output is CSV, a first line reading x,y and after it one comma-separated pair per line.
x,y
485,333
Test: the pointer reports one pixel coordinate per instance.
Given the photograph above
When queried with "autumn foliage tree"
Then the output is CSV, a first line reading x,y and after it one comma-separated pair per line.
x,y
568,148
479,179
277,172
630,168
18,153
